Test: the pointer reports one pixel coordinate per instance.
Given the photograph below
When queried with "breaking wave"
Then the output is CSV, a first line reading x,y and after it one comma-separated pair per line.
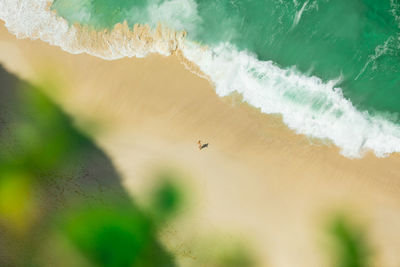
x,y
307,104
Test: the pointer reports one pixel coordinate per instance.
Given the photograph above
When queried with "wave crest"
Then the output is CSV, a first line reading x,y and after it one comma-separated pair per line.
x,y
308,105
35,20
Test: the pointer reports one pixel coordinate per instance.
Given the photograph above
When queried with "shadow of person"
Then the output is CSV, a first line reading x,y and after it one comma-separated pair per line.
x,y
204,146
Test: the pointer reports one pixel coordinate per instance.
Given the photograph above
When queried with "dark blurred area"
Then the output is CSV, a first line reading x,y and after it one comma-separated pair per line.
x,y
61,200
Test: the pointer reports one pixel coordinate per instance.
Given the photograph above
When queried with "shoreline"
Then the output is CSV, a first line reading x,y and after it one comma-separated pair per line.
x,y
257,177
119,42
294,95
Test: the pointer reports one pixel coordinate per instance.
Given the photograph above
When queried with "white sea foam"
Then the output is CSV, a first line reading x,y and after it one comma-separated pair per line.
x,y
379,51
307,104
297,17
33,19
176,14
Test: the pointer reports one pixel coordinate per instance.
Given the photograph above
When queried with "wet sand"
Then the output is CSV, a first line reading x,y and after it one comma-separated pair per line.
x,y
257,181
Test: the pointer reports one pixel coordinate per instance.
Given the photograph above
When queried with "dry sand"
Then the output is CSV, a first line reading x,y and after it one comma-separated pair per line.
x,y
258,181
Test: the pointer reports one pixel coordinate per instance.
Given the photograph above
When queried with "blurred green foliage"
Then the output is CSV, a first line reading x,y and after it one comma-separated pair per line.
x,y
349,244
62,203
120,236
167,196
58,191
41,131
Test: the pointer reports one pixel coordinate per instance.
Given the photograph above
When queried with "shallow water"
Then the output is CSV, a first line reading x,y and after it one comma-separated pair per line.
x,y
329,67
355,40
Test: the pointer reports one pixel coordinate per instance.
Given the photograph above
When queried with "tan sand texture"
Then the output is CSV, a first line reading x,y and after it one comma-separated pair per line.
x,y
258,181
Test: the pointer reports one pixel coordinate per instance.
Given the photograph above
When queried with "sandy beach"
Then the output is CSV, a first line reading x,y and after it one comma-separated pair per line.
x,y
257,181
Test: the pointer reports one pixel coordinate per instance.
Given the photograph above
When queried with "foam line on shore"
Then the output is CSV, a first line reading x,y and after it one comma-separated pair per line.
x,y
308,105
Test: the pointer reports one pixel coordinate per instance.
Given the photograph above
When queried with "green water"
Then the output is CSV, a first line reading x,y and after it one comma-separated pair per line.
x,y
357,40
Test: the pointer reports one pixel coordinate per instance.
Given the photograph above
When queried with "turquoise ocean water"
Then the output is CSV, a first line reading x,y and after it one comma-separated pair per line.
x,y
355,42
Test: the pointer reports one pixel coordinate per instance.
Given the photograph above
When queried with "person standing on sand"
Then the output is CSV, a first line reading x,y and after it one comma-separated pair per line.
x,y
201,146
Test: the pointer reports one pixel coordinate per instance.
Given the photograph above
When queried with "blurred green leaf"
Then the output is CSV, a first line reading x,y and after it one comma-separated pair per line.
x,y
167,197
349,243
